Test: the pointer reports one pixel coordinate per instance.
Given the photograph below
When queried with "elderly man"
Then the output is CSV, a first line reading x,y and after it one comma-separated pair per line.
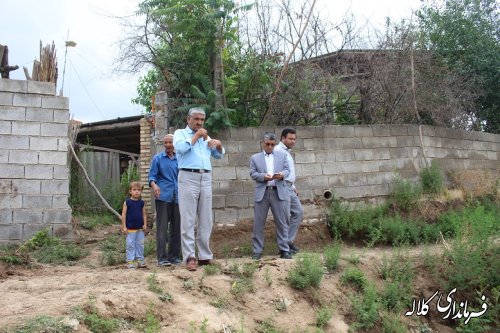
x,y
194,148
295,211
269,169
163,181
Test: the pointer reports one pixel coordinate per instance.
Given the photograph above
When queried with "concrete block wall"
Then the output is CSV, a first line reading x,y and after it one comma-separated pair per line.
x,y
34,174
358,163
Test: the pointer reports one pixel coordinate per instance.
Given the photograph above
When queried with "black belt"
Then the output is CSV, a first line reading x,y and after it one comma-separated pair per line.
x,y
196,170
271,188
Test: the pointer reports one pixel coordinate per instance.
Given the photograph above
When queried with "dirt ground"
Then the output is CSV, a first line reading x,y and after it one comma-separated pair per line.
x,y
123,293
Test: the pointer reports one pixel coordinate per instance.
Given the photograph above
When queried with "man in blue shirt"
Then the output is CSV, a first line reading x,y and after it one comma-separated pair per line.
x,y
163,181
194,148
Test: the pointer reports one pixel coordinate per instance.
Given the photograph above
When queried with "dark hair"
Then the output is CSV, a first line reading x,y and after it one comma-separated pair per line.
x,y
287,131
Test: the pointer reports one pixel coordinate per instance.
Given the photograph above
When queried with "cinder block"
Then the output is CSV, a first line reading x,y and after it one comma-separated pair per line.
x,y
11,232
351,143
30,230
242,134
33,101
39,114
363,131
12,171
62,145
6,98
319,157
5,216
332,168
38,172
387,165
37,201
357,179
305,157
55,187
405,141
369,166
11,142
61,116
305,132
228,215
311,169
55,102
380,178
57,216
41,88
218,201
23,157
61,172
25,128
229,186
363,154
381,153
231,147
43,143
223,173
26,186
331,144
399,130
381,130
238,200
5,127
249,147
399,153
6,186
51,129
12,113
4,156
53,158
14,85
221,162
318,181
11,201
27,216
243,173
344,132
246,213
337,180
314,144
351,167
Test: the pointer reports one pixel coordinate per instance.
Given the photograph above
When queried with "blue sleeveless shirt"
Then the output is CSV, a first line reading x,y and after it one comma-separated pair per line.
x,y
134,218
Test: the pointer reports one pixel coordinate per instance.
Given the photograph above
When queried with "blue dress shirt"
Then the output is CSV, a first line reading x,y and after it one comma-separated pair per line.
x,y
164,172
195,156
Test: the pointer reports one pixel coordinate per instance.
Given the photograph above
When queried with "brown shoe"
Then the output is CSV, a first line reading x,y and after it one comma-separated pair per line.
x,y
191,264
204,262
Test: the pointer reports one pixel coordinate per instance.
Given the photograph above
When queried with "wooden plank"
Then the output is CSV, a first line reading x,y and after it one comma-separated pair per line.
x,y
82,147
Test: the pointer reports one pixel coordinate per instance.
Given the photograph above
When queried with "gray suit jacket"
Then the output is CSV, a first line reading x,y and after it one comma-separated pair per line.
x,y
258,170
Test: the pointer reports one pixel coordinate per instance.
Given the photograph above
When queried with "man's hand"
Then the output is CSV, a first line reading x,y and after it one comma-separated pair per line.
x,y
278,176
215,143
156,189
268,178
201,133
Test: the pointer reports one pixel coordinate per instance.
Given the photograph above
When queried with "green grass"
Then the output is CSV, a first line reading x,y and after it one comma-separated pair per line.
x,y
331,256
307,272
323,316
91,220
406,194
355,277
40,324
94,322
432,179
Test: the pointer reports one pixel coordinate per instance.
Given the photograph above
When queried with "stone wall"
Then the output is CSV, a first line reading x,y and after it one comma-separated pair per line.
x,y
358,163
34,174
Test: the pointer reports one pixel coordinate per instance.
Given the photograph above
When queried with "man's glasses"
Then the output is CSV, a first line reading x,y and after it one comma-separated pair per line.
x,y
269,144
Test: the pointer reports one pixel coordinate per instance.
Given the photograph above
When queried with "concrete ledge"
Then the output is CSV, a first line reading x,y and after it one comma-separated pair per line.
x,y
14,85
41,88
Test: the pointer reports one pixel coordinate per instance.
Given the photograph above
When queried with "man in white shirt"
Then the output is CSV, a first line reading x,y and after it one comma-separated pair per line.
x,y
295,211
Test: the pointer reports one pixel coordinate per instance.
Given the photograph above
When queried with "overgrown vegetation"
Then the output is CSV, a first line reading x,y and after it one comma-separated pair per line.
x,y
40,324
307,272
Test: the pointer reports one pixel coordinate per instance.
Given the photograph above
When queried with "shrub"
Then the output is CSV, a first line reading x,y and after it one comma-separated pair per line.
x,y
323,316
406,194
308,271
365,308
355,277
432,179
393,324
41,323
332,255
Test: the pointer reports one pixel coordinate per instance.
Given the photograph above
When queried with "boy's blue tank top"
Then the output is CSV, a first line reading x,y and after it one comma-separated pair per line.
x,y
134,218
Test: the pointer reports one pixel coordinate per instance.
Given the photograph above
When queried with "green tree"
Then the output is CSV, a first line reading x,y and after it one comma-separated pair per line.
x,y
465,34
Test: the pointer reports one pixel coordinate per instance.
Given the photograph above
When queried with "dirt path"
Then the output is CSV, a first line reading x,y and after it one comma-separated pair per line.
x,y
122,293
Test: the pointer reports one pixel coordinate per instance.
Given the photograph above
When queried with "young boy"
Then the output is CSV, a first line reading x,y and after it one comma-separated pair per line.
x,y
134,224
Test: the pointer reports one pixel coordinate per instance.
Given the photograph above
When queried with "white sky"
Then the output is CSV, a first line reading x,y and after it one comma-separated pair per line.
x,y
94,92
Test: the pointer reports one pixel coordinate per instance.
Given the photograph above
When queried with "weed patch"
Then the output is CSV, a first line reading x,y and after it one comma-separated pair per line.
x,y
307,272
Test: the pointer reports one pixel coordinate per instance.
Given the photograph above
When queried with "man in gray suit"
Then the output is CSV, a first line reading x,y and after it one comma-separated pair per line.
x,y
269,169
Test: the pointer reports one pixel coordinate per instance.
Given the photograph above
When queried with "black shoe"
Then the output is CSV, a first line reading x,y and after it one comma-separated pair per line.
x,y
293,248
285,255
257,256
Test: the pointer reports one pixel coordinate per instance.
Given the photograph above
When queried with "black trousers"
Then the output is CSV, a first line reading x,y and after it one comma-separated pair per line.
x,y
168,229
